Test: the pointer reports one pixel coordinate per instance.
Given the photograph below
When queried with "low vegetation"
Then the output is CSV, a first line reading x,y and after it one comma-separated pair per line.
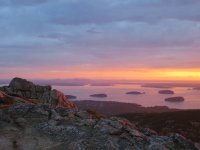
x,y
186,123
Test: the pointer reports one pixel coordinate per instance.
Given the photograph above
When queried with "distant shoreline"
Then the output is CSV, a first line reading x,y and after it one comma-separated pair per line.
x,y
111,108
91,82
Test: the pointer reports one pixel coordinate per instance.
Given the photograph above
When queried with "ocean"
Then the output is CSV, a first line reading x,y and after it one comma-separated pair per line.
x,y
149,99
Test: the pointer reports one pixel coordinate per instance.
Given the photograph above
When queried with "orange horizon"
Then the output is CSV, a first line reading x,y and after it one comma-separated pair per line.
x,y
110,74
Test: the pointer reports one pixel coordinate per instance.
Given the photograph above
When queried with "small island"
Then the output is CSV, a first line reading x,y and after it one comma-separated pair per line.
x,y
71,96
166,92
99,95
135,93
101,84
175,99
196,88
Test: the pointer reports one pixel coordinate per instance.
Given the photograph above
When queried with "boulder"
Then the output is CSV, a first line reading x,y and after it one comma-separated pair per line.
x,y
25,88
40,94
21,84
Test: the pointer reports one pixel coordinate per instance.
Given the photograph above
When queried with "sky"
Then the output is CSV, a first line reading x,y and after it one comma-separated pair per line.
x,y
100,39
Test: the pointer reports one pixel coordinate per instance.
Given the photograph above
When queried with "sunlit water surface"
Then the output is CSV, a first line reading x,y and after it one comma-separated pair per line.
x,y
151,98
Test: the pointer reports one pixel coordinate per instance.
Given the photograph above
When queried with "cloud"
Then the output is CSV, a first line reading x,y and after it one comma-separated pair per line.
x,y
180,2
22,2
93,31
99,34
100,12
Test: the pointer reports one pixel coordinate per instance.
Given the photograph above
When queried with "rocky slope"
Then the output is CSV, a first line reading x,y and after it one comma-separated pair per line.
x,y
184,122
39,127
30,92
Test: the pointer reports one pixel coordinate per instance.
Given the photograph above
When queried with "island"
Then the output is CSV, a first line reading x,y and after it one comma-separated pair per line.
x,y
101,84
196,88
166,92
99,95
175,99
135,93
71,96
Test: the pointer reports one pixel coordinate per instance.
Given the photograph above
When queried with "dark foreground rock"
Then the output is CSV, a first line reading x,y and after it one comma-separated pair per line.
x,y
7,100
24,89
166,92
99,95
175,99
135,93
38,127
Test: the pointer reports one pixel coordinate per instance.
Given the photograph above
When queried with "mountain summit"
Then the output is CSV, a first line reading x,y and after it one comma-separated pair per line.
x,y
34,117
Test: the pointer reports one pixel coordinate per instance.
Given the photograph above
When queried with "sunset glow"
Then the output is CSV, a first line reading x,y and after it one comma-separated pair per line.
x,y
100,39
130,74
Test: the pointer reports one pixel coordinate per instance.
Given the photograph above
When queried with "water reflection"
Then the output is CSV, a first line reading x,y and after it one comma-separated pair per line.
x,y
151,98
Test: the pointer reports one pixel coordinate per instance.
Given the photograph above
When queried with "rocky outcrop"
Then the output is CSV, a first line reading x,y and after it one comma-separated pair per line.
x,y
45,128
166,92
26,89
7,100
175,99
58,99
39,94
